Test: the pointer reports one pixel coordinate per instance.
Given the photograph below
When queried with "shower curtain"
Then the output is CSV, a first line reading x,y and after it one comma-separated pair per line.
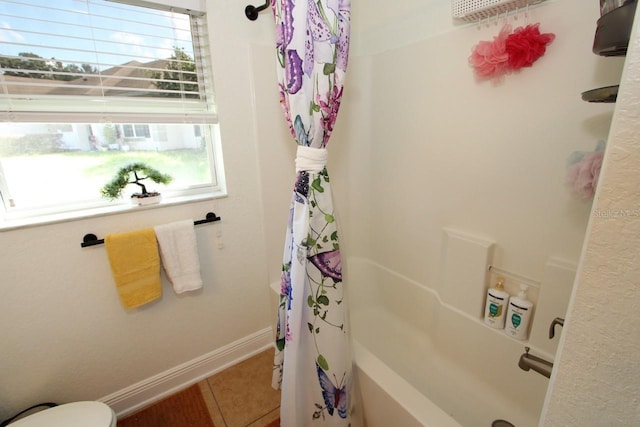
x,y
312,363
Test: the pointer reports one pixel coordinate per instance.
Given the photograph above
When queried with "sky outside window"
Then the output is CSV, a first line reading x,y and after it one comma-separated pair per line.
x,y
103,34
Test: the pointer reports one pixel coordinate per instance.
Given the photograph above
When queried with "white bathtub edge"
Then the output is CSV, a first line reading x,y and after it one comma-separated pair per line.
x,y
404,394
534,349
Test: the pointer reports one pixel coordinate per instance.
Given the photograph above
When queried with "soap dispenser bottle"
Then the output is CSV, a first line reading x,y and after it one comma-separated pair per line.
x,y
496,308
519,314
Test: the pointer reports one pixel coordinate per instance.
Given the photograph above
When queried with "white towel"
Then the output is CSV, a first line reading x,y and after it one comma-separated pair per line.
x,y
179,254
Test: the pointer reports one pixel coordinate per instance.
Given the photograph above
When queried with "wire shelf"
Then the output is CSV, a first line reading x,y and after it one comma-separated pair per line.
x,y
475,10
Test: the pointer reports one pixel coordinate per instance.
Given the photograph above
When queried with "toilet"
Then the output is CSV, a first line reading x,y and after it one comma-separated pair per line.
x,y
76,414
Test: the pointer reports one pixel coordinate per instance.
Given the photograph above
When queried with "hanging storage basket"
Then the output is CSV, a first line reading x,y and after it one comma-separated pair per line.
x,y
475,10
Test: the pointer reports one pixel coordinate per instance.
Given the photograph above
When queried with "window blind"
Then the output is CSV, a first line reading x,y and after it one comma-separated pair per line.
x,y
101,60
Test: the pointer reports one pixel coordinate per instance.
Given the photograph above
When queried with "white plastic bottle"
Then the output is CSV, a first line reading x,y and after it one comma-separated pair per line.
x,y
519,314
496,308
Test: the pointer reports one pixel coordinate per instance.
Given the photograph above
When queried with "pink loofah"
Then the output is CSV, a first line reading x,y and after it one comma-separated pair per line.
x,y
490,59
509,51
582,177
525,45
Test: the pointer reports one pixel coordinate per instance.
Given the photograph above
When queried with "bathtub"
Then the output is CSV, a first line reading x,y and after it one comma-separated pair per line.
x,y
387,399
420,362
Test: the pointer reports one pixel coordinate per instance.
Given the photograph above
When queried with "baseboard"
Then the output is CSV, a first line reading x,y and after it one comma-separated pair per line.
x,y
146,392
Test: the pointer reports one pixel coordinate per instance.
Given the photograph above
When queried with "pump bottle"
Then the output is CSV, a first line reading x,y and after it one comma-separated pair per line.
x,y
519,315
496,308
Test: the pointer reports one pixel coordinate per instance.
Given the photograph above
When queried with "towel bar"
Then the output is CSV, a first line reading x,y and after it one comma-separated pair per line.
x,y
92,239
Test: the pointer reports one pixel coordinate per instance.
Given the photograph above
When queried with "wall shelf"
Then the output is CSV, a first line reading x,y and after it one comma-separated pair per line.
x,y
614,30
611,39
476,10
606,94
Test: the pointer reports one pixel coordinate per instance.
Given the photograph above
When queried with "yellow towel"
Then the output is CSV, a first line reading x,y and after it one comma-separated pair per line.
x,y
135,265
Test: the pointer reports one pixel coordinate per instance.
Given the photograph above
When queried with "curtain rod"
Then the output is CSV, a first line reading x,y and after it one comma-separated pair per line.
x,y
92,239
252,12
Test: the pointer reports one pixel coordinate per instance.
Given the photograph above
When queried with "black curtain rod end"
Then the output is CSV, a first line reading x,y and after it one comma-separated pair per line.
x,y
252,12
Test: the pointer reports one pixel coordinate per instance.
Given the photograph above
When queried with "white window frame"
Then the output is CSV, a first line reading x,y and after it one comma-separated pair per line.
x,y
10,220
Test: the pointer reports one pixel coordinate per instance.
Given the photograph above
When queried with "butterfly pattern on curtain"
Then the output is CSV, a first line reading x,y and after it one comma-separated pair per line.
x,y
312,365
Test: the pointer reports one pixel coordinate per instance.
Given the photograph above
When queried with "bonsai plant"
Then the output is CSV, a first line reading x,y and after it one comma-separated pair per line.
x,y
135,173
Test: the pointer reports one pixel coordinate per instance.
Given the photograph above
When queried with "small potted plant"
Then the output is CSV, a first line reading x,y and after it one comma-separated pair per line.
x,y
134,174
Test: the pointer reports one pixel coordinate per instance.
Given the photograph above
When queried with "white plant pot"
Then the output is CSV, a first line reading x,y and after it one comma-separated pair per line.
x,y
144,201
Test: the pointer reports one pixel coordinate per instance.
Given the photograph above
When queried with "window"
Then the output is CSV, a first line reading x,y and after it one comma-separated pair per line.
x,y
132,131
89,86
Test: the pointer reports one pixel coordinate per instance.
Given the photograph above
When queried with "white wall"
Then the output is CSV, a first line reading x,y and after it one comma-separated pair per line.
x,y
65,335
446,150
484,158
276,155
597,378
431,147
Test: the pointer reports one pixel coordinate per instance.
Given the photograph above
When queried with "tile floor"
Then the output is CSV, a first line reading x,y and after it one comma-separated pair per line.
x,y
242,396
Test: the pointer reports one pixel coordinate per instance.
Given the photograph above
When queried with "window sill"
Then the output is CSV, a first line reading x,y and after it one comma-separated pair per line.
x,y
17,223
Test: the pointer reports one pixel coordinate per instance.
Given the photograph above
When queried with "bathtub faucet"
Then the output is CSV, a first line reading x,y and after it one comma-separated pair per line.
x,y
552,328
529,361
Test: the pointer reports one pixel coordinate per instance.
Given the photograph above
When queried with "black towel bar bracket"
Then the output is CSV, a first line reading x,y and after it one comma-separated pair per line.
x,y
92,239
252,12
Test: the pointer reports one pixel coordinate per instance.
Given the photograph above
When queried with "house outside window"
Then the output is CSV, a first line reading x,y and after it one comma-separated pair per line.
x,y
89,86
139,131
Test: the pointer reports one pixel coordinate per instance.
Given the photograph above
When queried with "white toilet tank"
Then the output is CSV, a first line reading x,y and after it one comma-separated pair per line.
x,y
77,414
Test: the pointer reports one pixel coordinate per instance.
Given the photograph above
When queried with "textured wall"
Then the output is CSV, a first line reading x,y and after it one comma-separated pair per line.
x,y
597,381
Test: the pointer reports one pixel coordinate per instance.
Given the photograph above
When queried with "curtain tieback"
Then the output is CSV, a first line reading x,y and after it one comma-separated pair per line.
x,y
310,159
